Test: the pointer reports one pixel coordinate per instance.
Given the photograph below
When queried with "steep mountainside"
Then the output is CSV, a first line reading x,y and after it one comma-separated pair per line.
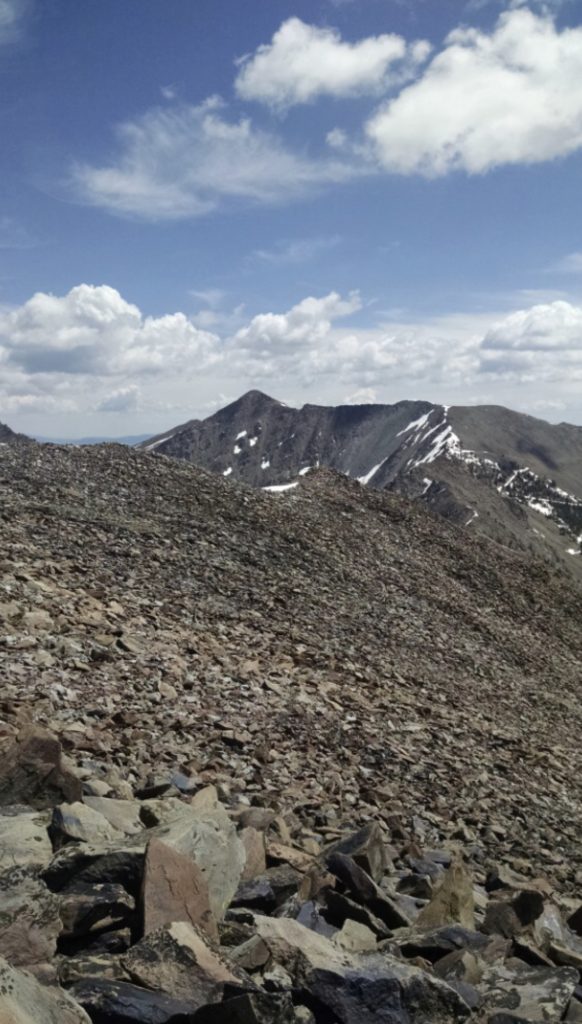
x,y
509,476
333,650
299,758
8,436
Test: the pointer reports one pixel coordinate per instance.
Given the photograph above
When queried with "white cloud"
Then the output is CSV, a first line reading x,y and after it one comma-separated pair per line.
x,y
508,97
303,62
121,400
93,330
549,327
543,343
363,396
12,15
91,353
297,250
570,264
272,338
184,161
212,297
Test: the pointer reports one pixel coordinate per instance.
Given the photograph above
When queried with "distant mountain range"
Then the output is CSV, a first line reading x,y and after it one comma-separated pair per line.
x,y
132,439
512,477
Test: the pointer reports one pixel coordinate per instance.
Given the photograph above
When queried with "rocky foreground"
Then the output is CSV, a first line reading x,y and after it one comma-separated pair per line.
x,y
299,757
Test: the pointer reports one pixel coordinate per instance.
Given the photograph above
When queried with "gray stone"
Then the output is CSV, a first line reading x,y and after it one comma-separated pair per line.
x,y
123,815
367,848
359,989
179,961
516,992
30,921
24,1001
120,1002
78,822
209,838
24,842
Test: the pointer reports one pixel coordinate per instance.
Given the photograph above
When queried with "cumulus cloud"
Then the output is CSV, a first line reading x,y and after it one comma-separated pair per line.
x,y
543,342
121,400
507,97
271,340
185,161
92,351
549,327
303,62
93,330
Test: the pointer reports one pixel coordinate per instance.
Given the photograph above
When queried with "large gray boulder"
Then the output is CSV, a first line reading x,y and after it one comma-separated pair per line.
x,y
358,989
30,921
516,992
210,839
24,1001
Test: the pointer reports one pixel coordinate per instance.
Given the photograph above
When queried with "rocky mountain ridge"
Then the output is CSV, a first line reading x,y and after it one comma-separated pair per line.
x,y
297,758
509,476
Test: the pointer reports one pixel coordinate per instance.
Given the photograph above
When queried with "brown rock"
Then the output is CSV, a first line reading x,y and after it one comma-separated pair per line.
x,y
452,903
32,772
254,845
174,889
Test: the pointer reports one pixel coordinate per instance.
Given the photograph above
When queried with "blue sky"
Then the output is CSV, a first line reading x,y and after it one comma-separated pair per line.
x,y
340,200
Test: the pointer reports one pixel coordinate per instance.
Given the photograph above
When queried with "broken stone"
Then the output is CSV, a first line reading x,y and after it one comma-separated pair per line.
x,y
24,1001
95,908
78,822
174,889
122,815
365,891
30,922
519,993
119,1001
24,842
179,961
367,848
32,772
268,891
209,838
452,903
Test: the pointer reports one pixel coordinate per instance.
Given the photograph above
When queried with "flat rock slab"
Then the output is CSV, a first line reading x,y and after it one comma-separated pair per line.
x,y
24,842
523,994
179,961
123,1003
209,838
174,889
24,1001
79,823
123,815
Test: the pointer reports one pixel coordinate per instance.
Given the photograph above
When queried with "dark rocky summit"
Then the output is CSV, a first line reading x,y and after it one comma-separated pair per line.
x,y
8,436
511,477
278,758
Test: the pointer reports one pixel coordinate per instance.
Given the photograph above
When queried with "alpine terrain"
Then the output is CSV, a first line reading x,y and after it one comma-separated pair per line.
x,y
305,757
512,477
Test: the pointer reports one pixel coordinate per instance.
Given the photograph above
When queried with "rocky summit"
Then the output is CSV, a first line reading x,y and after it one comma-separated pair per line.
x,y
304,756
508,476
